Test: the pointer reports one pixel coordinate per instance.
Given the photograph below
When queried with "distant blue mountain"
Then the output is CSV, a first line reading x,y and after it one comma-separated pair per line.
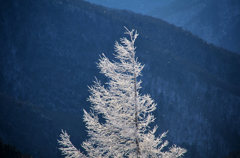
x,y
216,21
48,56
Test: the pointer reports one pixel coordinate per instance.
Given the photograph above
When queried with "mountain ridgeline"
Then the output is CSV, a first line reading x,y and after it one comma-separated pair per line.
x,y
216,21
48,56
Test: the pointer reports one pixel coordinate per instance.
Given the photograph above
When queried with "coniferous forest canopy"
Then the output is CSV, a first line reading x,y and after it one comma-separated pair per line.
x,y
49,51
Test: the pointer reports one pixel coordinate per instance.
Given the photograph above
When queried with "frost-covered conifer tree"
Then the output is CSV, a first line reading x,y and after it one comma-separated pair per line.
x,y
126,115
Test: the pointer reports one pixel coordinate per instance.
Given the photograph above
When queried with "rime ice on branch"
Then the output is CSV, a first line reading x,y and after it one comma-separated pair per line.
x,y
127,114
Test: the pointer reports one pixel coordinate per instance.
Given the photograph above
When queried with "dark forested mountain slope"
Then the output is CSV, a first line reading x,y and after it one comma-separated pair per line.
x,y
48,56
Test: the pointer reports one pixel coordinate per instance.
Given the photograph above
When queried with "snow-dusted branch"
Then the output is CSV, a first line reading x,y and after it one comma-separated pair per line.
x,y
67,148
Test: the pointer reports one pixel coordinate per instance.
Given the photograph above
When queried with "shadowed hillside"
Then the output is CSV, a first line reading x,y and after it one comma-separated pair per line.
x,y
48,56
